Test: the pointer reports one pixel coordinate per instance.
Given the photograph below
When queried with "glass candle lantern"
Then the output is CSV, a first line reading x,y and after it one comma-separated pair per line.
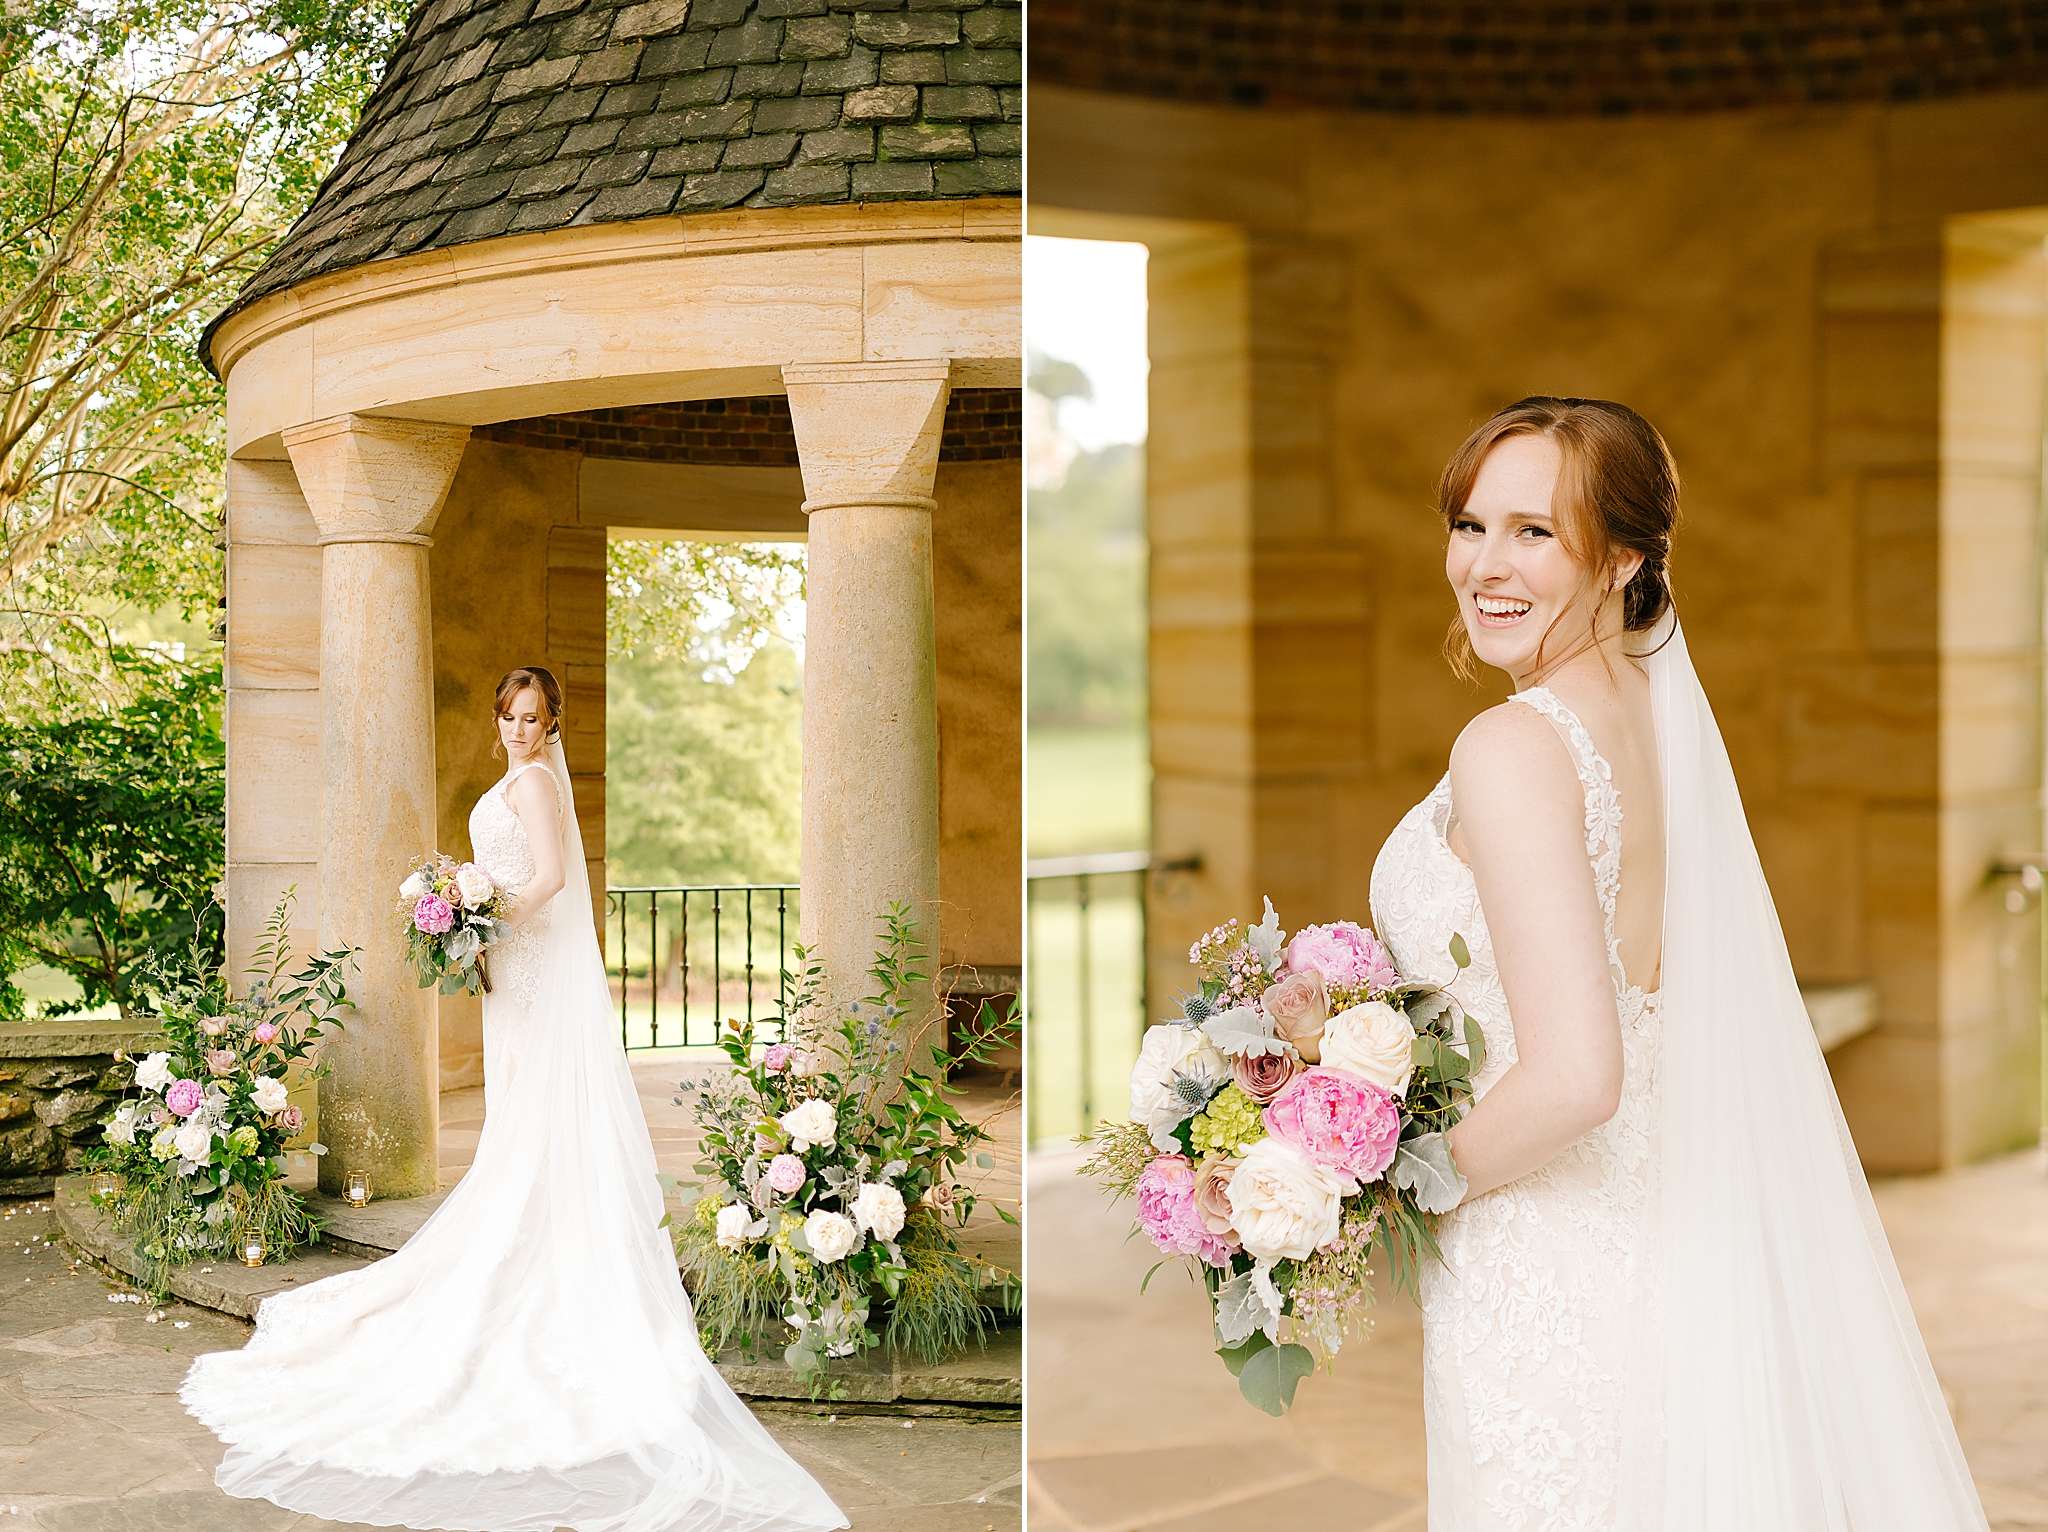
x,y
105,1184
252,1247
358,1188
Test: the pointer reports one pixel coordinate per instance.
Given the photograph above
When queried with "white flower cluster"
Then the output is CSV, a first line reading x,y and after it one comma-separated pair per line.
x,y
878,1211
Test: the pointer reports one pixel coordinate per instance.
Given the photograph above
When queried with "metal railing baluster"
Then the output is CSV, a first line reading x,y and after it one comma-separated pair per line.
x,y
748,959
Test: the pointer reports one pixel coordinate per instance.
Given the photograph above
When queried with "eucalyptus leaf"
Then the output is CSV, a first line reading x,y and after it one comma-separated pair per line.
x,y
1460,954
1475,1044
1424,1167
1269,1377
1234,1357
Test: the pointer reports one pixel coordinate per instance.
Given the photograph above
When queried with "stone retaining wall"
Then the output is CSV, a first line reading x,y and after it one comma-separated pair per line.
x,y
57,1080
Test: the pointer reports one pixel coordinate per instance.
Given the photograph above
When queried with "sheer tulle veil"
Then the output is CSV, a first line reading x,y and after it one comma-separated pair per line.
x,y
1783,1382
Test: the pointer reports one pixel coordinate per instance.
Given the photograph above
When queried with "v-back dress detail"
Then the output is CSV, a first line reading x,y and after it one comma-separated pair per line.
x,y
528,1360
1528,1321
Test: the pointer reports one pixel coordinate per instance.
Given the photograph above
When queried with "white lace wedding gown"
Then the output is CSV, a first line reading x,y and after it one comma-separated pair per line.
x,y
1526,1324
529,1359
1689,1320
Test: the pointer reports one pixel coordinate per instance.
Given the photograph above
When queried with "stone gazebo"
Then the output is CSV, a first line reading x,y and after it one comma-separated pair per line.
x,y
590,268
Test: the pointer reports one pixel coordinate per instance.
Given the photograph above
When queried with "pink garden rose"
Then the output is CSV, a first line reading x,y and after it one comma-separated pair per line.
x,y
786,1173
185,1097
266,1032
1339,1121
777,1057
1345,954
221,1061
432,914
291,1119
1167,1212
1212,1196
1298,1007
213,1026
1263,1076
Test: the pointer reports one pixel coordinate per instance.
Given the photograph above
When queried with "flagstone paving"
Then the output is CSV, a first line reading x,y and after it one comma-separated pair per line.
x,y
1136,1427
92,1438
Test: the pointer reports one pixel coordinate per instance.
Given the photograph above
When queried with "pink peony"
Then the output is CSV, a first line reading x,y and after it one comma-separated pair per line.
x,y
786,1173
184,1097
266,1032
777,1057
1339,1121
1167,1212
1346,955
432,914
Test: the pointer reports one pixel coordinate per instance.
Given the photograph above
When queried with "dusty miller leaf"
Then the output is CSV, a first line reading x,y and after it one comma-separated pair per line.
x,y
1423,1166
1242,1030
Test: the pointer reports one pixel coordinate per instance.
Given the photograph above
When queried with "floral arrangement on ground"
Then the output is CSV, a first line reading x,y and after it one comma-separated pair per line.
x,y
833,1157
1288,1123
198,1153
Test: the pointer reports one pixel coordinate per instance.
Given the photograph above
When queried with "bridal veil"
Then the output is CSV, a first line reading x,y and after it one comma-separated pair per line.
x,y
1783,1381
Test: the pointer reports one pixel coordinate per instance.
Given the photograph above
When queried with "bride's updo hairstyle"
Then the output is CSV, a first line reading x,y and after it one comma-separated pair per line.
x,y
517,681
1617,488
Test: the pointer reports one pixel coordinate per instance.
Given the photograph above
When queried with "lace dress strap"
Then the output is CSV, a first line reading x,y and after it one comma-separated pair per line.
x,y
1603,811
505,787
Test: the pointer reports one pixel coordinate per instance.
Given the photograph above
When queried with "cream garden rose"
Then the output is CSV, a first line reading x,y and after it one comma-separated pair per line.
x,y
1283,1205
270,1094
831,1236
809,1123
475,884
879,1209
195,1141
1373,1041
733,1219
154,1072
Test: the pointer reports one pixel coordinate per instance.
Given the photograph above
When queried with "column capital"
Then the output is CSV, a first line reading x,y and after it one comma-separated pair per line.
x,y
368,479
867,433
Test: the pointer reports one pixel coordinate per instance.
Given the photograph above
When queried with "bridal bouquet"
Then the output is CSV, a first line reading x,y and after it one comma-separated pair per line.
x,y
451,912
1288,1121
199,1150
832,1157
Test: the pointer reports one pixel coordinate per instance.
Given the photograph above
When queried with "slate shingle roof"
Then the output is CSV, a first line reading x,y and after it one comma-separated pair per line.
x,y
517,116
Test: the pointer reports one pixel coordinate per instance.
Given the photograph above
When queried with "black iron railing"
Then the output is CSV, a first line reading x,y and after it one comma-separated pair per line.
x,y
685,958
1089,1005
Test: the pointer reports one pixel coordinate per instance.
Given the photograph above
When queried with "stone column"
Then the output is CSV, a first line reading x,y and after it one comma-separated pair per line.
x,y
374,488
867,436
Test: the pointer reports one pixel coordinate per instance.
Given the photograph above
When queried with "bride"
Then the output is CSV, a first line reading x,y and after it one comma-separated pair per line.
x,y
1665,1303
529,1359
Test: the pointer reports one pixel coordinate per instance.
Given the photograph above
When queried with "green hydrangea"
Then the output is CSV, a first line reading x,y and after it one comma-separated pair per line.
x,y
244,1138
1231,1119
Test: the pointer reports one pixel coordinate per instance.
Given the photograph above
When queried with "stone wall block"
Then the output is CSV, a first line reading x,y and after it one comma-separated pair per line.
x,y
1898,543
273,616
938,300
576,610
1994,288
265,505
1880,350
273,775
1861,728
1988,571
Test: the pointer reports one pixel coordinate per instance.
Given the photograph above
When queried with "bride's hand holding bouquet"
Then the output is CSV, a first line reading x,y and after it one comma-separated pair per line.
x,y
452,914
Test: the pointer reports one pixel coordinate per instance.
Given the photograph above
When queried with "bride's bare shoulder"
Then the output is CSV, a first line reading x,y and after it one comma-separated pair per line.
x,y
1511,758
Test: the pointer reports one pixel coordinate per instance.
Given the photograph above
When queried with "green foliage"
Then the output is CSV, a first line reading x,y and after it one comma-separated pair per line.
x,y
232,1052
1087,603
702,776
893,1128
152,152
111,833
712,606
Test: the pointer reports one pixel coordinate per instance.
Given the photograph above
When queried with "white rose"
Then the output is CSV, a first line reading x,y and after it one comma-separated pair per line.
x,y
122,1129
1372,1041
271,1095
1283,1205
733,1219
195,1141
476,885
1169,1047
154,1072
831,1236
879,1209
810,1122
805,1064
414,886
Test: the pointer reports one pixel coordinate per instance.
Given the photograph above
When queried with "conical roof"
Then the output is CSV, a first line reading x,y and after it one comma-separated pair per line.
x,y
518,116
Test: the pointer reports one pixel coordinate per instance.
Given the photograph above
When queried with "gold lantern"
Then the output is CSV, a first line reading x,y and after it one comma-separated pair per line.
x,y
252,1247
358,1188
105,1185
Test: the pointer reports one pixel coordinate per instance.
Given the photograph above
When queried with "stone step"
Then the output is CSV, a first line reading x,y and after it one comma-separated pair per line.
x,y
978,1380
